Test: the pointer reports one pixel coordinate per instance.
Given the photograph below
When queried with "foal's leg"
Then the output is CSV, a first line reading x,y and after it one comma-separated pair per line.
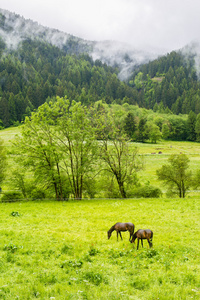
x,y
138,244
120,235
149,243
142,243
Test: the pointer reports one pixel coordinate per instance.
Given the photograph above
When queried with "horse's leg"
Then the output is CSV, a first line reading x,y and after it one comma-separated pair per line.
x,y
117,235
149,243
120,235
138,244
142,243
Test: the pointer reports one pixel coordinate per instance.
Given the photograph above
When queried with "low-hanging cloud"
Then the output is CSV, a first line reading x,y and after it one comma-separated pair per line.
x,y
167,25
122,32
14,29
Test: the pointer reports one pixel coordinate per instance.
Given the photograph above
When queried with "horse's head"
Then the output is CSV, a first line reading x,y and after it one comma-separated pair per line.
x,y
109,234
133,238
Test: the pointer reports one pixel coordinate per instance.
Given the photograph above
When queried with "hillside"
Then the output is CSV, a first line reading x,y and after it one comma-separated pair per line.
x,y
169,82
38,63
14,29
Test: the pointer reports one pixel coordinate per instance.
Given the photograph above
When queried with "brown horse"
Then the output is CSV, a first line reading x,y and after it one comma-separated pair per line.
x,y
122,227
143,234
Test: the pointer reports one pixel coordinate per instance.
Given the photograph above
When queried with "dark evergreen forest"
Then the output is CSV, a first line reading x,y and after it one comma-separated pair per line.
x,y
170,82
37,71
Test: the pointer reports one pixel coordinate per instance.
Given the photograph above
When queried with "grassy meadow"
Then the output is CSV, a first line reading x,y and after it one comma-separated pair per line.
x,y
59,250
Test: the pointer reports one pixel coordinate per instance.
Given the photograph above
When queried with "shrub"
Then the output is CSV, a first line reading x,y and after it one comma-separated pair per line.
x,y
11,197
146,191
37,194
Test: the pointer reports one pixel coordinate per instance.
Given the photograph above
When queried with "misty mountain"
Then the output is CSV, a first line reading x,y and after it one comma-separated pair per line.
x,y
14,29
38,63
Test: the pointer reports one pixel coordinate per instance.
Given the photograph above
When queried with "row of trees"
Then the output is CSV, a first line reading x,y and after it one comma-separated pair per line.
x,y
143,125
68,150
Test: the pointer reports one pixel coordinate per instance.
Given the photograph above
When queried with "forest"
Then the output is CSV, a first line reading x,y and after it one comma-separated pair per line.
x,y
170,81
37,71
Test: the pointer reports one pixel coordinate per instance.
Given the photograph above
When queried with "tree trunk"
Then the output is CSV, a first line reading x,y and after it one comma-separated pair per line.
x,y
121,188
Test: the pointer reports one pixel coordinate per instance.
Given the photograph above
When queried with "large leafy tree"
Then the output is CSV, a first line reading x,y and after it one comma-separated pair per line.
x,y
120,158
176,175
153,132
37,150
58,144
130,125
76,142
142,134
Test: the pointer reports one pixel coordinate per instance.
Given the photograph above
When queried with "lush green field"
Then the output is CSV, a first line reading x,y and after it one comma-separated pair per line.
x,y
60,250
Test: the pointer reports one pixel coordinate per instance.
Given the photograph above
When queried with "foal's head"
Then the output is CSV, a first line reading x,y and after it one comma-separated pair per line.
x,y
134,236
109,234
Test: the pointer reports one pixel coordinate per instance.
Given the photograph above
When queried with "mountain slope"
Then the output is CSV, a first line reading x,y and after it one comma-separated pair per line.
x,y
32,70
170,82
39,63
14,29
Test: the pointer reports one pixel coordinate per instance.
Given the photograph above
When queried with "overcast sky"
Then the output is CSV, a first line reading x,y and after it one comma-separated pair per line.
x,y
167,25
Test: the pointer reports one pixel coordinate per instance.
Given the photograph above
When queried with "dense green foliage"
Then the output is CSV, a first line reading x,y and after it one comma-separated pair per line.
x,y
37,71
168,83
59,145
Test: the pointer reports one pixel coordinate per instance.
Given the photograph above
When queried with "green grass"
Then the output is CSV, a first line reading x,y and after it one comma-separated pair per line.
x,y
56,250
60,250
9,134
